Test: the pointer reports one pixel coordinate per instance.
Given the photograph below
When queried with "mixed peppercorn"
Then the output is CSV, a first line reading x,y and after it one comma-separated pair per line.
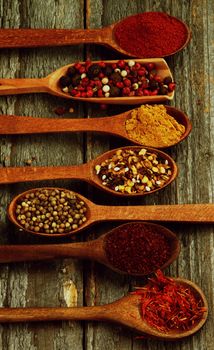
x,y
120,79
50,211
134,171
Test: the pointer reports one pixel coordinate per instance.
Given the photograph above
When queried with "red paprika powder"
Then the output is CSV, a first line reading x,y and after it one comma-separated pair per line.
x,y
151,34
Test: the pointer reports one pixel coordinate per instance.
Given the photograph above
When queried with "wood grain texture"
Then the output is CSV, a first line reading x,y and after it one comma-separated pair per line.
x,y
61,283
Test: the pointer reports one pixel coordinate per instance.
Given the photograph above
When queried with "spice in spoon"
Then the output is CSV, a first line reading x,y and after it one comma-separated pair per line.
x,y
168,305
138,248
120,79
152,125
151,34
134,171
50,211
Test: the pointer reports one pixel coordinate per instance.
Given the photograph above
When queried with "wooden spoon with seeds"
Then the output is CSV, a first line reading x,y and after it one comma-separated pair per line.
x,y
50,84
87,172
125,311
12,38
197,213
114,125
97,250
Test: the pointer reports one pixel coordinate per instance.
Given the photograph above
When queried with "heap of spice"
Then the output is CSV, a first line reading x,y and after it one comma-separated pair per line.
x,y
134,170
168,305
50,211
151,34
151,125
137,248
120,79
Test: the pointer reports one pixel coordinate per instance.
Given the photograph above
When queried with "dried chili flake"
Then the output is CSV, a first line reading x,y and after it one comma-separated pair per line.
x,y
168,305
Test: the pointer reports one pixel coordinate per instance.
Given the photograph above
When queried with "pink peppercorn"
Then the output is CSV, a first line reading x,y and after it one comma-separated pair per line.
x,y
126,91
127,82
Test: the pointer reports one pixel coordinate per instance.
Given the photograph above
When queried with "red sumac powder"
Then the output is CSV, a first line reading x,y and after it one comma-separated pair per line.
x,y
150,34
137,248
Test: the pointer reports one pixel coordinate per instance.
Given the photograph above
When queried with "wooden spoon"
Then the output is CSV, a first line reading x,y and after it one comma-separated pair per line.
x,y
94,250
114,125
50,84
197,213
11,38
125,311
84,172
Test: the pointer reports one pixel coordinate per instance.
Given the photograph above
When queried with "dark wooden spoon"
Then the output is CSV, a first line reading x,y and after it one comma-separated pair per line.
x,y
50,84
11,38
114,125
97,213
125,311
94,250
84,172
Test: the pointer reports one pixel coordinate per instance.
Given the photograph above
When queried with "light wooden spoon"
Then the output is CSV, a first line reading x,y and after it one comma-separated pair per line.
x,y
94,250
84,172
50,84
197,213
11,38
125,311
114,125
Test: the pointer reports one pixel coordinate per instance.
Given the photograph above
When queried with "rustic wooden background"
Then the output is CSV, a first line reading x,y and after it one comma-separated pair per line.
x,y
71,282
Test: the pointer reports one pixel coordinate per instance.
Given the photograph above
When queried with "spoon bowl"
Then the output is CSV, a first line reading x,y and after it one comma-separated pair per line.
x,y
197,213
125,311
94,250
86,172
50,84
12,38
114,125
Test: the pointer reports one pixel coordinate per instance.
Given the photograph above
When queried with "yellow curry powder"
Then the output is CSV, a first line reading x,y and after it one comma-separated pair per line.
x,y
150,125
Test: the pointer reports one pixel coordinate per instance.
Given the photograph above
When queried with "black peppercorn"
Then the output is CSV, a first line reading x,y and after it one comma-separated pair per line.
x,y
114,91
108,70
94,71
64,81
153,85
75,80
71,71
163,90
167,80
116,77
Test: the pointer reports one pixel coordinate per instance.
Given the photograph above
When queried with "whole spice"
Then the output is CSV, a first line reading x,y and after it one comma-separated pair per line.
x,y
134,171
137,249
168,305
123,78
50,211
151,125
150,34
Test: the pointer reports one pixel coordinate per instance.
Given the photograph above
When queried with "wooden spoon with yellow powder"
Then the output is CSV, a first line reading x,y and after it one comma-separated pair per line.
x,y
149,125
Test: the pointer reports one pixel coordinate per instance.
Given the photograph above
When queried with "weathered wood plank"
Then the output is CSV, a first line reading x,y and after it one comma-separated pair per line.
x,y
60,282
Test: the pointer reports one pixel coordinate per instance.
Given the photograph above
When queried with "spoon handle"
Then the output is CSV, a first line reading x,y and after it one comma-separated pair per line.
x,y
54,314
171,213
86,250
29,174
22,86
12,38
29,125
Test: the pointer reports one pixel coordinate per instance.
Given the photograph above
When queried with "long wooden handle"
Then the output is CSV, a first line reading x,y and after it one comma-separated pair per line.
x,y
22,86
86,250
29,125
53,314
11,38
29,174
197,213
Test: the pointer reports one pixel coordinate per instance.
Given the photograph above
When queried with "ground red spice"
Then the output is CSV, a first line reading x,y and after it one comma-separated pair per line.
x,y
150,34
137,248
168,305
